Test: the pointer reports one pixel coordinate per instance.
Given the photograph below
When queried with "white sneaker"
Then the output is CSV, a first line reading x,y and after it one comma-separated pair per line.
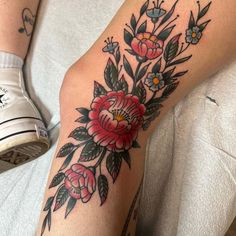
x,y
23,135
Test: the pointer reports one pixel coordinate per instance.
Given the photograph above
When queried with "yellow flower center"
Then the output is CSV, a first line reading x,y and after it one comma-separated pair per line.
x,y
119,117
194,35
155,81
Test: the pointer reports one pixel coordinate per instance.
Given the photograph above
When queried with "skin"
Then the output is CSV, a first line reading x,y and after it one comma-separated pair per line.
x,y
11,20
215,50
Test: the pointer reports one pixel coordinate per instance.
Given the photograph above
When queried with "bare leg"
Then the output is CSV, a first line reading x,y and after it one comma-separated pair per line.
x,y
17,19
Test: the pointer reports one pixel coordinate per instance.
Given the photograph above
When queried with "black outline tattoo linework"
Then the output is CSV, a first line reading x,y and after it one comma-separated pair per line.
x,y
28,19
132,210
109,128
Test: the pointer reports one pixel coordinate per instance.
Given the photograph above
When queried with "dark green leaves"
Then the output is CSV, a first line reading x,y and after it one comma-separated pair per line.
x,y
165,33
70,206
111,74
191,23
128,67
67,160
66,149
113,164
142,72
172,48
98,90
123,84
117,55
103,188
48,204
83,111
90,152
57,179
128,37
135,144
61,197
114,161
204,11
140,92
46,221
203,25
169,14
84,118
131,52
154,105
142,28
133,22
148,122
157,66
179,61
144,8
80,134
49,220
169,89
125,155
179,74
152,108
168,74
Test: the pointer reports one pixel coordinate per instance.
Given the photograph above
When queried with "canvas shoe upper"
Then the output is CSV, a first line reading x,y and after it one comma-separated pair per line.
x,y
23,135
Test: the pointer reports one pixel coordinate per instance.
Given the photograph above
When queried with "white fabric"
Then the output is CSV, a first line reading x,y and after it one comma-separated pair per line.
x,y
190,178
9,60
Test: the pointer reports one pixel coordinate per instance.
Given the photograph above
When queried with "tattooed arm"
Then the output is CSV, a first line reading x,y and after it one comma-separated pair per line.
x,y
112,99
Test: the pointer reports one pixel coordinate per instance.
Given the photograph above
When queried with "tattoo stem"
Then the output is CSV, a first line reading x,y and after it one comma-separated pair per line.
x,y
101,158
180,52
137,23
130,28
199,10
153,96
125,227
155,30
136,75
120,70
81,144
183,50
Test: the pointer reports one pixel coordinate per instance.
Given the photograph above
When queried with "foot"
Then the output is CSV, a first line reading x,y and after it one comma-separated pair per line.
x,y
23,135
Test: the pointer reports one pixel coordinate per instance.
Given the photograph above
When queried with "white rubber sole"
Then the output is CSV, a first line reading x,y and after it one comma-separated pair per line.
x,y
22,139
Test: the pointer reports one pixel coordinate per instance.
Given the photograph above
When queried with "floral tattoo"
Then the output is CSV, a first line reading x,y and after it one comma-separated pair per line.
x,y
109,128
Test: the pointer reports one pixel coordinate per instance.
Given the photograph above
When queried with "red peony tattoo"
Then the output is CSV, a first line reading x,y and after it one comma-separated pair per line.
x,y
109,128
115,119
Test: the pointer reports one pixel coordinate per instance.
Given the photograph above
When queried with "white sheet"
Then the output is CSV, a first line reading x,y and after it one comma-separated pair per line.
x,y
190,177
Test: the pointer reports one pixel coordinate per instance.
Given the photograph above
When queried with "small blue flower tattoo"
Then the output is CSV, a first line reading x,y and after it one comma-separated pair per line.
x,y
156,12
110,45
155,81
193,35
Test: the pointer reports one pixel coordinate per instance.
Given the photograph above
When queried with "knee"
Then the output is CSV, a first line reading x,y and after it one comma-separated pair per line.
x,y
71,81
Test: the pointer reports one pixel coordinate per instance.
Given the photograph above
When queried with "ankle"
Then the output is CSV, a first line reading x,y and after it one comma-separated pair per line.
x,y
9,60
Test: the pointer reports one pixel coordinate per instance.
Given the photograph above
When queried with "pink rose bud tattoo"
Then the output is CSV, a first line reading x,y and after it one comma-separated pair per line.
x,y
147,46
80,182
109,127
